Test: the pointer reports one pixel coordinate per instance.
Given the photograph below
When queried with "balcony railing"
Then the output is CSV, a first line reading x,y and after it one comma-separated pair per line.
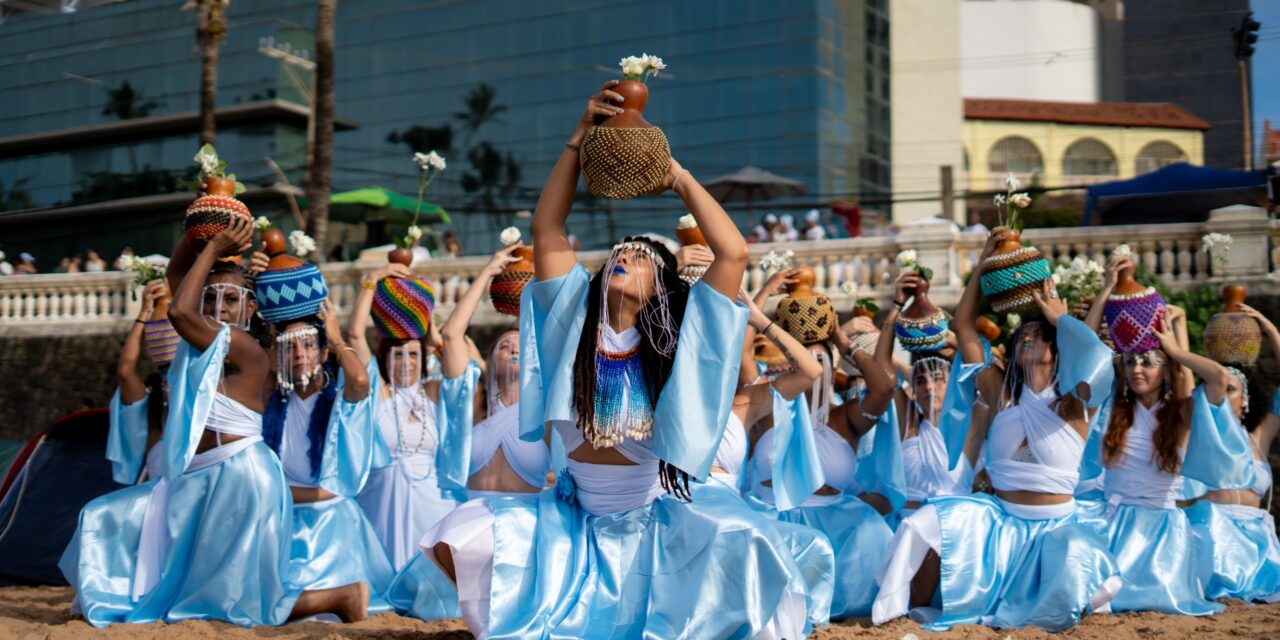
x,y
101,302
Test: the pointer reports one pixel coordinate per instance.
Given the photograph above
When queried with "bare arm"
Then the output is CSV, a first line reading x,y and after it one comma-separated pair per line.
x,y
553,256
858,417
132,388
357,325
453,359
1268,328
965,322
1111,275
186,312
184,256
357,385
884,346
1215,376
724,239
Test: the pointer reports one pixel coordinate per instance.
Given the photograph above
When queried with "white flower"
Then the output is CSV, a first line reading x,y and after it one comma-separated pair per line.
x,y
632,66
414,232
774,261
687,221
262,223
1011,181
510,236
1057,278
1214,242
1123,250
1013,320
906,258
301,242
849,287
1020,200
436,161
207,158
420,159
998,200
654,63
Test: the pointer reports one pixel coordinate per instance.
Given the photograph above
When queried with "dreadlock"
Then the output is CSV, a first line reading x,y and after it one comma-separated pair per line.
x,y
654,363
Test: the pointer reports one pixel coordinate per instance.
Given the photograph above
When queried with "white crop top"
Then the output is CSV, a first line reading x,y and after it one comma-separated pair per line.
x,y
1136,479
407,425
839,462
1049,463
529,460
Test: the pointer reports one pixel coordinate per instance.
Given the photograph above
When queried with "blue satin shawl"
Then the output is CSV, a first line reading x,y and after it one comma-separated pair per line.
x,y
352,444
455,419
193,382
127,438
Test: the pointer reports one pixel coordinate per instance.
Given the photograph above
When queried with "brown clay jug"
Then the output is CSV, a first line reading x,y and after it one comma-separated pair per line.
x,y
635,96
273,243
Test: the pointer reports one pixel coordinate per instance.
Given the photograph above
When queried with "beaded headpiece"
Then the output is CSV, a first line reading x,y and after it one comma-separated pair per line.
x,y
664,340
286,343
217,293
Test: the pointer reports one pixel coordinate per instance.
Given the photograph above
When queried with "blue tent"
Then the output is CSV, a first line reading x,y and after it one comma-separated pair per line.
x,y
1179,192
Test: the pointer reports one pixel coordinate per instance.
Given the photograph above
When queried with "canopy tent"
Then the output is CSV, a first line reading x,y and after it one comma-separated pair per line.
x,y
380,204
1179,192
751,184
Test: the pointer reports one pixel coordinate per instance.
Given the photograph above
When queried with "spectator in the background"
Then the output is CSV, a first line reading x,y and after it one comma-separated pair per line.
x,y
26,264
812,226
764,231
125,259
6,269
93,262
785,231
975,224
452,248
69,265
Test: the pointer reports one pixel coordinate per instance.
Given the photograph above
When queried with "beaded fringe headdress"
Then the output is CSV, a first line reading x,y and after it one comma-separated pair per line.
x,y
284,358
240,314
928,365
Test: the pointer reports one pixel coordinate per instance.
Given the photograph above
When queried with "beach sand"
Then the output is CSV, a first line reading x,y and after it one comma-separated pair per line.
x,y
44,613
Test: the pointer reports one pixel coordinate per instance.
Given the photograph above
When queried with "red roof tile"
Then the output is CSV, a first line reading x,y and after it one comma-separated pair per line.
x,y
1116,114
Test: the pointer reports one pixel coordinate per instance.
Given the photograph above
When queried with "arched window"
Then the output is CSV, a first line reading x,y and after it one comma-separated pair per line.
x,y
1088,160
1157,155
1016,155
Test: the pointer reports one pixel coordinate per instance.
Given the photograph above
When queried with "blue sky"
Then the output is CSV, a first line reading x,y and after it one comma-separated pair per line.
x,y
1266,63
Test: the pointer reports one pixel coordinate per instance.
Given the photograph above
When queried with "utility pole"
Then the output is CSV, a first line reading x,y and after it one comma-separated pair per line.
x,y
948,191
1245,36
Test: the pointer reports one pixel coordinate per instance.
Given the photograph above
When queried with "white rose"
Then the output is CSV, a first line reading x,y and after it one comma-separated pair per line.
x,y
998,200
632,66
414,232
301,242
849,287
261,223
1020,200
510,236
1057,278
906,258
1123,250
435,160
1011,182
1014,320
653,62
687,221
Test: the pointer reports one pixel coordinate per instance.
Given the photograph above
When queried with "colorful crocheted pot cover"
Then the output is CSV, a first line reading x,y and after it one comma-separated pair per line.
x,y
289,294
162,341
921,334
1009,278
210,214
624,163
505,290
402,308
1132,319
808,319
1233,338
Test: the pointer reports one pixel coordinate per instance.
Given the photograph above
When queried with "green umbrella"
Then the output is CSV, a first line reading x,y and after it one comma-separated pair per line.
x,y
376,203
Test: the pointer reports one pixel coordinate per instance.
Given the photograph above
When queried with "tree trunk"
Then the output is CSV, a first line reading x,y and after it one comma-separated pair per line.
x,y
208,91
318,175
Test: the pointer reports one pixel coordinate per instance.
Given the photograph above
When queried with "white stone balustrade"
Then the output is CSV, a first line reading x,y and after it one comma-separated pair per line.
x,y
100,303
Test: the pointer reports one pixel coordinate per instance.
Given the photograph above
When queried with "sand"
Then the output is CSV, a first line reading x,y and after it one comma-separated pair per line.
x,y
44,613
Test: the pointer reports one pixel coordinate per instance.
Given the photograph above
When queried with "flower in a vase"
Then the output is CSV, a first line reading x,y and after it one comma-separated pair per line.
x,y
207,158
510,236
261,224
414,232
1011,181
1123,250
301,242
633,67
1020,200
687,221
653,63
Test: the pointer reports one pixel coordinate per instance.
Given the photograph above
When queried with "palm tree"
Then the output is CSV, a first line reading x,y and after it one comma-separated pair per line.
x,y
125,103
211,30
318,176
480,109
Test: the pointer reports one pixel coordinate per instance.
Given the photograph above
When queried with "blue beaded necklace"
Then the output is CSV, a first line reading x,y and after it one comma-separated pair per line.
x,y
619,375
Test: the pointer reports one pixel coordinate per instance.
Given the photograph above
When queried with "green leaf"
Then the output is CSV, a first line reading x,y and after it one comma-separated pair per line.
x,y
240,188
868,303
925,272
208,150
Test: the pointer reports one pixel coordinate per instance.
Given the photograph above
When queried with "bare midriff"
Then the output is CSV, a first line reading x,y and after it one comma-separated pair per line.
x,y
1244,497
1033,498
499,476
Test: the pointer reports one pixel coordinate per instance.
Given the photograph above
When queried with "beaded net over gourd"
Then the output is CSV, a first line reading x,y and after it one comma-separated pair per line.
x,y
290,293
808,319
624,163
1233,338
1009,278
505,290
162,341
210,214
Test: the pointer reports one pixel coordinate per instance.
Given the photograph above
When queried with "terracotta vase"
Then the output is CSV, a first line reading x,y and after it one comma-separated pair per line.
x,y
806,314
212,210
689,237
863,312
774,360
1232,337
1133,312
506,287
273,242
161,310
624,156
1011,273
400,256
988,329
921,326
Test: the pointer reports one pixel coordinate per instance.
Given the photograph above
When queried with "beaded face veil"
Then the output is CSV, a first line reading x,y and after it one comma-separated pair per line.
x,y
820,394
301,345
658,314
226,303
930,369
404,365
1243,381
498,383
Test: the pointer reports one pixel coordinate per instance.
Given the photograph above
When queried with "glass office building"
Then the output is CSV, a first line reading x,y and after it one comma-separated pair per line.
x,y
798,88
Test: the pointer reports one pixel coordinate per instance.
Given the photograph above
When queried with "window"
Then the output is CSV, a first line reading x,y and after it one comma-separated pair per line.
x,y
1016,155
1086,160
1157,155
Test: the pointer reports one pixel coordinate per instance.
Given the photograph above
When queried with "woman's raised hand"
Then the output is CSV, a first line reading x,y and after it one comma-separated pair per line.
x,y
600,107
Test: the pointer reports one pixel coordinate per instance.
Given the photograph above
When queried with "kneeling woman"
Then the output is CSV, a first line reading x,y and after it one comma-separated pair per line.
x,y
636,374
1019,557
218,522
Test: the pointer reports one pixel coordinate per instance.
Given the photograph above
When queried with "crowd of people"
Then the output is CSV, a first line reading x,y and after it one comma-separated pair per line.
x,y
90,261
647,453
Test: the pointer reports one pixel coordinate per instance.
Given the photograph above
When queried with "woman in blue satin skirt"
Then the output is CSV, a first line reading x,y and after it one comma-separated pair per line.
x,y
1236,535
218,520
1020,557
1150,423
635,371
830,503
138,407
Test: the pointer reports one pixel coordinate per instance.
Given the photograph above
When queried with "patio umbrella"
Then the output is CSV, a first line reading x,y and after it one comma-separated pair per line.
x,y
379,204
750,184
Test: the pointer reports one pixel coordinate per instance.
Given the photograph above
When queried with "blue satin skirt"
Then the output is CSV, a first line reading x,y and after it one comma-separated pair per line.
x,y
1157,556
420,590
1240,556
334,545
228,527
668,569
860,539
1001,570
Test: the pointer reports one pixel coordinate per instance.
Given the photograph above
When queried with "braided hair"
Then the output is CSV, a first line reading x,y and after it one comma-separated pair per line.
x,y
277,408
655,364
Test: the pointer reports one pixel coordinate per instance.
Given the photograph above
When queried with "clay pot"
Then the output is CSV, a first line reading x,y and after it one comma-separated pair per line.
x,y
988,329
273,245
921,306
807,315
400,256
635,96
506,287
921,326
162,308
212,211
863,312
210,186
1011,273
688,237
1232,337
